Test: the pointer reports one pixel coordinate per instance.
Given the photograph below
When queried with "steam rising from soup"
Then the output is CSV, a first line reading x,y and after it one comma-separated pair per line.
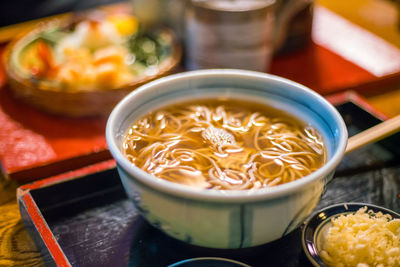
x,y
224,144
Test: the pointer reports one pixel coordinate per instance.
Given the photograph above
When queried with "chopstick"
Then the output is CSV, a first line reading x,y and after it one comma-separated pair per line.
x,y
374,134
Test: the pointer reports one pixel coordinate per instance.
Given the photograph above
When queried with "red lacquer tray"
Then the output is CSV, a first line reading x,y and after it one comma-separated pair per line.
x,y
34,144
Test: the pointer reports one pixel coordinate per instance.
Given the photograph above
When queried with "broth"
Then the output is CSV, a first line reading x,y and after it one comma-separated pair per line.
x,y
224,144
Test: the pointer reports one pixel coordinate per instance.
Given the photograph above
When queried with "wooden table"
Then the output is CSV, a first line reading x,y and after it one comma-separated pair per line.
x,y
17,247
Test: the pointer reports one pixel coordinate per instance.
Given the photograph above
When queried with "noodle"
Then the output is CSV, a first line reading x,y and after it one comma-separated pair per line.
x,y
224,145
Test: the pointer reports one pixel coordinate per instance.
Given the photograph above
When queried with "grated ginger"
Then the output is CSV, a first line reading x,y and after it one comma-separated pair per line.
x,y
363,239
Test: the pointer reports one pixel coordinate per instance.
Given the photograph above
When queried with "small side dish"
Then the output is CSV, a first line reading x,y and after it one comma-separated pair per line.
x,y
353,235
81,57
364,238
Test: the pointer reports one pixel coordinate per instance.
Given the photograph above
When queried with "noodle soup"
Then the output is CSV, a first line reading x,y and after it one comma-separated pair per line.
x,y
224,144
180,129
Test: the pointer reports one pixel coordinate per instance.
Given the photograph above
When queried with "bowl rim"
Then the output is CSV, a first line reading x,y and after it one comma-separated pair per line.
x,y
323,216
215,259
208,195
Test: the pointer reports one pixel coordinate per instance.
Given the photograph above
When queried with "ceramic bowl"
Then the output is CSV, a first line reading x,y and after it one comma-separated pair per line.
x,y
208,261
50,96
317,226
217,218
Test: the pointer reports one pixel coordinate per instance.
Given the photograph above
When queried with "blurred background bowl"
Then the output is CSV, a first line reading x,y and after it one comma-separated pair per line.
x,y
48,95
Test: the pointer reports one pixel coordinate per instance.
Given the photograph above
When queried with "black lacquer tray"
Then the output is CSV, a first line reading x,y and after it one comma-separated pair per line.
x,y
83,218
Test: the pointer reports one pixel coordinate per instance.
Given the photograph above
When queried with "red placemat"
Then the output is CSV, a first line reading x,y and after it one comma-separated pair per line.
x,y
34,144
